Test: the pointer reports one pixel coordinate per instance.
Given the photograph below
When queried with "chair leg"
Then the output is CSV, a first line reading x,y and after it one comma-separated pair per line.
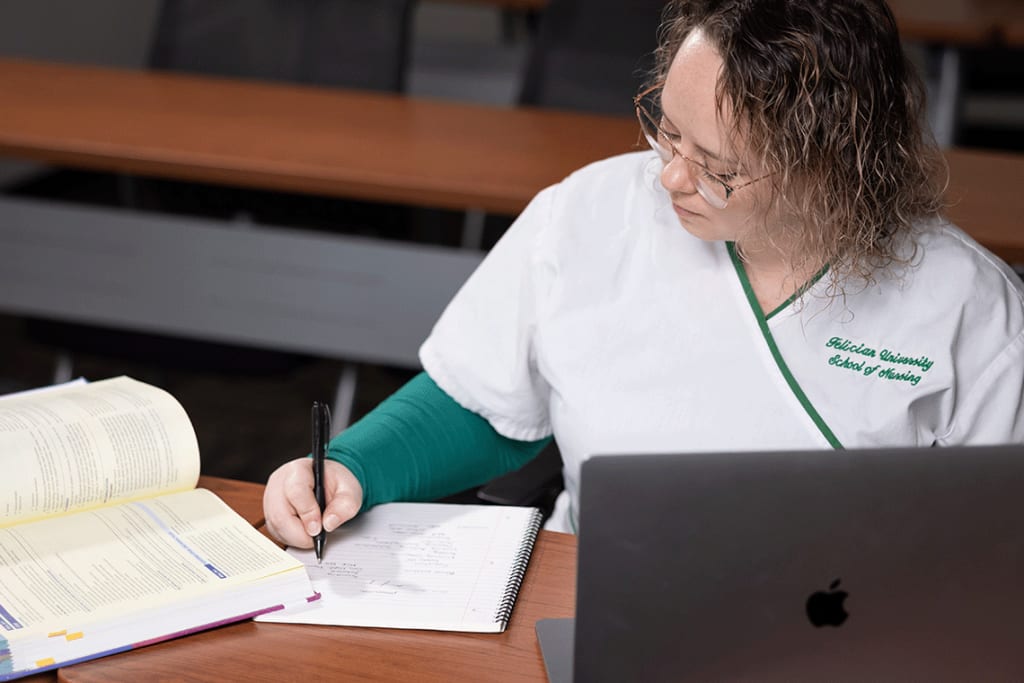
x,y
473,222
63,367
344,398
946,93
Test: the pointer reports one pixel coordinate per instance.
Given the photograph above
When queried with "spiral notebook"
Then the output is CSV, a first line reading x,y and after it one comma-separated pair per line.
x,y
420,565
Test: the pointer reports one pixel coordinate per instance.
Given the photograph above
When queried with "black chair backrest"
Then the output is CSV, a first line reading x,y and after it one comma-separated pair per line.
x,y
591,55
346,43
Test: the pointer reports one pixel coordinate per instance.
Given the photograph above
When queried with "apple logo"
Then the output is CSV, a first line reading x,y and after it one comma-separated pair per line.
x,y
825,608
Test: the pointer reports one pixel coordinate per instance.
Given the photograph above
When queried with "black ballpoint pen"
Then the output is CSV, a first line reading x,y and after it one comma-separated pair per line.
x,y
321,435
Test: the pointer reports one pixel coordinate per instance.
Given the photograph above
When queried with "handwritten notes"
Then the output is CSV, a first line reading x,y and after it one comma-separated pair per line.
x,y
421,565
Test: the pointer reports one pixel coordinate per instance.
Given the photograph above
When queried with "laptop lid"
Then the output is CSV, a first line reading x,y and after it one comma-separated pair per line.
x,y
889,564
555,637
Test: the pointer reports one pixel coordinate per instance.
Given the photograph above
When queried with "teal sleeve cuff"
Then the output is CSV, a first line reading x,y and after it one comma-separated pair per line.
x,y
419,444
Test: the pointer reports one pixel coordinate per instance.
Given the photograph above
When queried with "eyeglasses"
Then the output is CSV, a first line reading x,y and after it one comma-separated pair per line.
x,y
713,187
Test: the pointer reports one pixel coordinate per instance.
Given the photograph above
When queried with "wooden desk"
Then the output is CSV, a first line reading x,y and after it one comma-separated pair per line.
x,y
245,498
291,138
371,146
984,202
959,22
285,652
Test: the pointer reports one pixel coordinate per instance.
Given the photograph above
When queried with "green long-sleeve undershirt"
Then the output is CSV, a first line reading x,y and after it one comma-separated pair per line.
x,y
419,444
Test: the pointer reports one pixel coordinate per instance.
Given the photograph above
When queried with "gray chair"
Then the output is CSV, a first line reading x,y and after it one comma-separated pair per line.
x,y
360,44
591,55
346,43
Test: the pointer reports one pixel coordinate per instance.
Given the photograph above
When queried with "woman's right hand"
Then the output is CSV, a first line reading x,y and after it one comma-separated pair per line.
x,y
292,514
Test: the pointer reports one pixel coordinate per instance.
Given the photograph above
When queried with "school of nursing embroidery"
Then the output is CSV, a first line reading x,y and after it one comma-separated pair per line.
x,y
861,358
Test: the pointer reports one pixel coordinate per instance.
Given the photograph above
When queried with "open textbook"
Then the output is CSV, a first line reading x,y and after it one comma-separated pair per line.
x,y
105,543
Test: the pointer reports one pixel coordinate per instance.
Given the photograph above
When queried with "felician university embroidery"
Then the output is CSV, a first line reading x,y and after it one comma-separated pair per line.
x,y
885,364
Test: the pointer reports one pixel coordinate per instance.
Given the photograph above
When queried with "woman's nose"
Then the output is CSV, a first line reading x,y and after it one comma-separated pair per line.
x,y
678,176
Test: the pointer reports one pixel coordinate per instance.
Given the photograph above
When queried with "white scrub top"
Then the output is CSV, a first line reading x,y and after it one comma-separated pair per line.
x,y
600,319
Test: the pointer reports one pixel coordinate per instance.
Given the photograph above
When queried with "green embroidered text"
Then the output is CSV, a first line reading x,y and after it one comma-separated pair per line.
x,y
859,357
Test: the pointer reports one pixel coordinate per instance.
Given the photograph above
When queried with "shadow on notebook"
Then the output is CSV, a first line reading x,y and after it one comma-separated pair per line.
x,y
884,564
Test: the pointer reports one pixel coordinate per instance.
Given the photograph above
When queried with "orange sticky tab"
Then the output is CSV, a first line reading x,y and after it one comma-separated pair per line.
x,y
49,661
55,634
73,636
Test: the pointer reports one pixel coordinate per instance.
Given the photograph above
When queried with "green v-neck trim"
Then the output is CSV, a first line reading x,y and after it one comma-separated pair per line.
x,y
762,322
795,295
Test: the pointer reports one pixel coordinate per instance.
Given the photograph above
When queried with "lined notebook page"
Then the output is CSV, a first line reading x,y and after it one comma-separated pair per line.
x,y
420,565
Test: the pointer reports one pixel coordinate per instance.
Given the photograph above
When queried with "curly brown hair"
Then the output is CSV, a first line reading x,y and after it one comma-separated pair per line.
x,y
827,103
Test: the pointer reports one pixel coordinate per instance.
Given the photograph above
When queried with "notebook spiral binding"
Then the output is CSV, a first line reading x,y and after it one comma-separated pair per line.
x,y
518,569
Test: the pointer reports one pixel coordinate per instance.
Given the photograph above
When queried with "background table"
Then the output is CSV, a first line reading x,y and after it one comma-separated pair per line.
x,y
333,142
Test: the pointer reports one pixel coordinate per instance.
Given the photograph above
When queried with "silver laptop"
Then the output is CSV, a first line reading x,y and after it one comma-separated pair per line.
x,y
888,564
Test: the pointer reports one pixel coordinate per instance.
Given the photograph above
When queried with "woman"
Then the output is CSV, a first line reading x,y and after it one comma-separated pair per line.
x,y
774,274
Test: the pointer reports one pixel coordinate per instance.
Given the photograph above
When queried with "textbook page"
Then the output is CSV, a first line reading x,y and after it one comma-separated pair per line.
x,y
420,565
100,565
85,445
